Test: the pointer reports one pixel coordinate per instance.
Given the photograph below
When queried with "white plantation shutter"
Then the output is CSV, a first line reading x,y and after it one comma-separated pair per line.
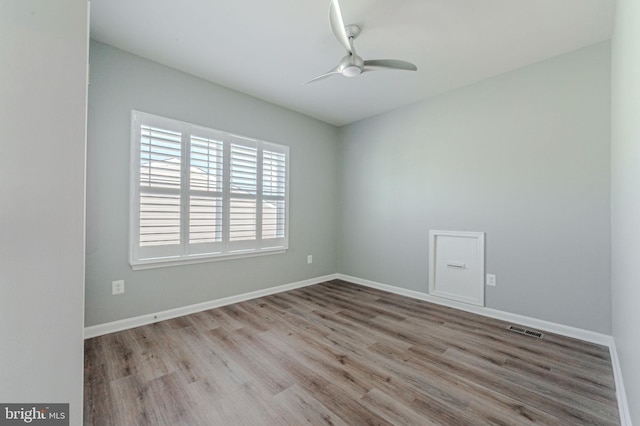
x,y
274,191
160,184
243,195
199,193
205,195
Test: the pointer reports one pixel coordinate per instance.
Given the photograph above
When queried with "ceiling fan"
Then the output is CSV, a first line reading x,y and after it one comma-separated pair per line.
x,y
352,64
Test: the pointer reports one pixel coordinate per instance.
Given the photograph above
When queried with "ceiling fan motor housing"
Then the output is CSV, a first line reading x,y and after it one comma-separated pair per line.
x,y
351,65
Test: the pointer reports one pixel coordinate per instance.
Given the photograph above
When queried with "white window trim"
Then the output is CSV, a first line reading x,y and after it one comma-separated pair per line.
x,y
227,250
204,258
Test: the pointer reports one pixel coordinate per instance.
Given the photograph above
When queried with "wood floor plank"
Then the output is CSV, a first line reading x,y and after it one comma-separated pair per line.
x,y
337,353
300,408
98,397
393,410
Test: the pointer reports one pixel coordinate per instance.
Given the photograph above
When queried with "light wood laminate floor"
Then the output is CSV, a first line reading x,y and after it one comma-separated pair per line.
x,y
341,354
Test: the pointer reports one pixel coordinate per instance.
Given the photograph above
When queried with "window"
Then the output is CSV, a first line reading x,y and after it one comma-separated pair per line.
x,y
199,193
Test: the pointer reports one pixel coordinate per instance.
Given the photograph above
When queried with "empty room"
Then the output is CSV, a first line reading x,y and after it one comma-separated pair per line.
x,y
328,212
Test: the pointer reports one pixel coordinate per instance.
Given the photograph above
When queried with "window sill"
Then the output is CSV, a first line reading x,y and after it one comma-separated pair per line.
x,y
189,260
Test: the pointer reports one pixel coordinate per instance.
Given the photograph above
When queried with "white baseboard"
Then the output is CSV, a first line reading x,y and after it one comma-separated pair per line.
x,y
623,406
551,327
125,324
111,327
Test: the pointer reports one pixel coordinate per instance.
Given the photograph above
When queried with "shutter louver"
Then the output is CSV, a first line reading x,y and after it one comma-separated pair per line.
x,y
273,173
244,169
159,219
273,214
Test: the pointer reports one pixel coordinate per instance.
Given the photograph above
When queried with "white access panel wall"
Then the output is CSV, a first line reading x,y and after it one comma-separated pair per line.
x,y
456,266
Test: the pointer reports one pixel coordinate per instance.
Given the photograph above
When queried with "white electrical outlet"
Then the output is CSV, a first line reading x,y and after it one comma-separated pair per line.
x,y
491,279
117,287
309,259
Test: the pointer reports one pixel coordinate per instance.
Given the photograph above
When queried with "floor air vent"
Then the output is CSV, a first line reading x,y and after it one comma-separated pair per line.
x,y
525,331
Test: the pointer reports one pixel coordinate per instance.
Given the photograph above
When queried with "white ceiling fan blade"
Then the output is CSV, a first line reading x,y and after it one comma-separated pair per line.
x,y
337,25
388,64
325,75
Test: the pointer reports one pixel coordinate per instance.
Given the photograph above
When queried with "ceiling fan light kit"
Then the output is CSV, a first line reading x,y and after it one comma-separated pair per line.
x,y
353,65
351,71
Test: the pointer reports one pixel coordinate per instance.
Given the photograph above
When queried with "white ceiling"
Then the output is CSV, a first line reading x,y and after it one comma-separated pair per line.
x,y
268,49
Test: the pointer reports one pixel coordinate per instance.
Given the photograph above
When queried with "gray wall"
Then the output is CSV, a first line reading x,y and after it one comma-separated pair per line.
x,y
121,82
523,157
625,196
43,86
